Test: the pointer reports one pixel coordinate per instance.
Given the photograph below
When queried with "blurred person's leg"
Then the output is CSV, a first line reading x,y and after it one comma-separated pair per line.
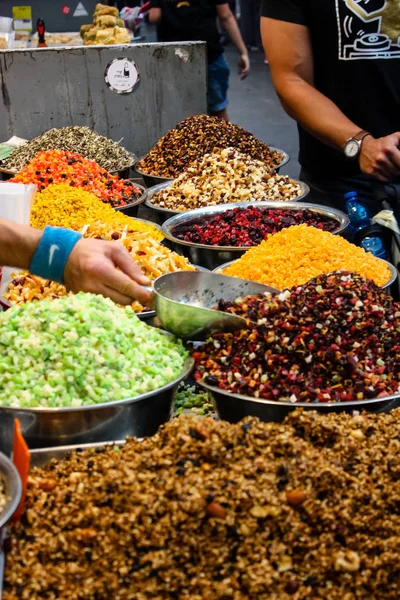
x,y
218,84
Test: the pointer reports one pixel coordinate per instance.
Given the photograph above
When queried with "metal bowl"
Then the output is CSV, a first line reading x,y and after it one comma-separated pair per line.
x,y
139,416
12,488
185,301
392,268
234,407
124,172
163,214
213,256
151,180
131,210
285,160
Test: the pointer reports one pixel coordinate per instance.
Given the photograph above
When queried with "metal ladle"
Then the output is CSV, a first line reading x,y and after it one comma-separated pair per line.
x,y
184,302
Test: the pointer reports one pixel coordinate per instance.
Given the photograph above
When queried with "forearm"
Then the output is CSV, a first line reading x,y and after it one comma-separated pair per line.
x,y
315,112
17,244
232,29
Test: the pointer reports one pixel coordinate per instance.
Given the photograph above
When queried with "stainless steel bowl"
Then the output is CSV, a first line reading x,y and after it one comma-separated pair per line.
x,y
139,416
12,488
285,160
213,256
392,268
124,172
131,210
163,214
234,407
184,301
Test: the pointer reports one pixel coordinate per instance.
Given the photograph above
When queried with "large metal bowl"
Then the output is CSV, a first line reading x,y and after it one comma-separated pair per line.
x,y
12,488
131,210
152,180
393,272
139,416
163,214
234,407
213,256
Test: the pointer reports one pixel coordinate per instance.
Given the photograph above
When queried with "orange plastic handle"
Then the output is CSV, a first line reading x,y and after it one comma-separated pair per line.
x,y
22,461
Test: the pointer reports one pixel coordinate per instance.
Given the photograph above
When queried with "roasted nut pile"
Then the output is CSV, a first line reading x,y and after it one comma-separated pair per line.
x,y
153,258
248,226
65,206
81,350
223,177
108,154
199,135
334,339
295,255
205,510
58,166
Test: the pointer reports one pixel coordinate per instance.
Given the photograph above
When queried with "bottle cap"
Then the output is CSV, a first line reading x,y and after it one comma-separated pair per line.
x,y
351,195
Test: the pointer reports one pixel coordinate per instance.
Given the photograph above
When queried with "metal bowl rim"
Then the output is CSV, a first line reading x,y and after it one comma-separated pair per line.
x,y
187,368
130,166
138,201
166,227
285,160
155,189
392,268
9,472
356,404
286,157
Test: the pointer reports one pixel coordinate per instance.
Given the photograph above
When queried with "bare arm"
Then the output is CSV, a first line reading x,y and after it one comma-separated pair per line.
x,y
155,15
231,27
289,51
91,267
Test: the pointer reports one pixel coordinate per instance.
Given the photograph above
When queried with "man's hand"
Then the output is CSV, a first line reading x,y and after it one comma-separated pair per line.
x,y
380,158
92,267
244,65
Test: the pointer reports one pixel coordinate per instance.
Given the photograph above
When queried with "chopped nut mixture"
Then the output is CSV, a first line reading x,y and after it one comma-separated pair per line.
x,y
205,510
196,136
334,339
223,177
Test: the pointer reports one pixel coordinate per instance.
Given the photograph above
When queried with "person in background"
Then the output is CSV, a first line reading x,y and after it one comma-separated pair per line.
x,y
250,11
81,264
335,67
194,20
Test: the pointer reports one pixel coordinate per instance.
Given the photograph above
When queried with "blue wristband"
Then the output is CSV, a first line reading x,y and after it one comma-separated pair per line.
x,y
53,252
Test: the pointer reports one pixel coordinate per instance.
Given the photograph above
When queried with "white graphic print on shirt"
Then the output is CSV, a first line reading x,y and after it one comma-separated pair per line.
x,y
368,29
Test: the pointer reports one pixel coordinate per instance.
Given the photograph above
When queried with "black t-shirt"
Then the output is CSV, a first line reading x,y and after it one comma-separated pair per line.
x,y
356,47
190,20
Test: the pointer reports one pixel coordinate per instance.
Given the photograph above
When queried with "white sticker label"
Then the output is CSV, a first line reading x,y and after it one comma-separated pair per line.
x,y
122,75
80,11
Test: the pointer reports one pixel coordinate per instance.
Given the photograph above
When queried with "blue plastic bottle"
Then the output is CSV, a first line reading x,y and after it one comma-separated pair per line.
x,y
359,219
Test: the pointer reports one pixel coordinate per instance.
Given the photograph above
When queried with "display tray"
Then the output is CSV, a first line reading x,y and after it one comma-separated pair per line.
x,y
42,456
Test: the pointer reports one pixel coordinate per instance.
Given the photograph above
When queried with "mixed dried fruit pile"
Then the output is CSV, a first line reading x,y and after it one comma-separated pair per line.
x,y
205,510
295,255
222,177
59,166
199,135
108,154
334,339
248,226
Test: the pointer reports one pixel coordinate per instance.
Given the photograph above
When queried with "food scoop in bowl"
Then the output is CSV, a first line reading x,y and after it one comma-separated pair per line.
x,y
184,302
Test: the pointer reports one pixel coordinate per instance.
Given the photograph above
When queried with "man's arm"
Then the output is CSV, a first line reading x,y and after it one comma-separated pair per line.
x,y
91,266
231,27
289,51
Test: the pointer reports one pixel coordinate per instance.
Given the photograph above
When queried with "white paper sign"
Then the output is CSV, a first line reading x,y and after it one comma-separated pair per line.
x,y
80,11
122,75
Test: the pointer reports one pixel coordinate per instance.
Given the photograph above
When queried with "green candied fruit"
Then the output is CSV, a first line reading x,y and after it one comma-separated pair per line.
x,y
81,350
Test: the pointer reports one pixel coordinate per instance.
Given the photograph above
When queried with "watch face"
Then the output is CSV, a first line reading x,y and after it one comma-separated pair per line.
x,y
351,148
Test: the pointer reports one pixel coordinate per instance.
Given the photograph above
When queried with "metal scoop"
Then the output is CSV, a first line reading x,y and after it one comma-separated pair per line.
x,y
184,302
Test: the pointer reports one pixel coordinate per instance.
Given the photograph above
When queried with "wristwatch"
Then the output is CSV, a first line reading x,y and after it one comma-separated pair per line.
x,y
352,147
